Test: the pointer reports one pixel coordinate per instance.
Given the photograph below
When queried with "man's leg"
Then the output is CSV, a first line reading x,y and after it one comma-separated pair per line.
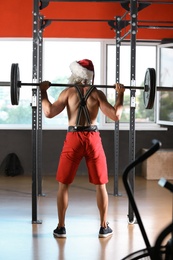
x,y
102,203
62,203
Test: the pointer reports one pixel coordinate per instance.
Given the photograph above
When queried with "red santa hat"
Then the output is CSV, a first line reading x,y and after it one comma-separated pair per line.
x,y
83,69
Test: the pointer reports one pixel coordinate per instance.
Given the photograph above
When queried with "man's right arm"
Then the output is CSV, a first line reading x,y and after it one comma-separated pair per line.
x,y
46,105
119,100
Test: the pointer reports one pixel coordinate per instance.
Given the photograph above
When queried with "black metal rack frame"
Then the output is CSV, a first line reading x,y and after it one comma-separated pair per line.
x,y
158,251
38,25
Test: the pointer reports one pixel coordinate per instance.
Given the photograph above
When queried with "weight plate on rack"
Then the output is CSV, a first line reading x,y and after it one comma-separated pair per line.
x,y
149,88
14,87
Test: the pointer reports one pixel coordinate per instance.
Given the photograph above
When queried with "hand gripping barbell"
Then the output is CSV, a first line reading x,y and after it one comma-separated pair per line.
x,y
148,94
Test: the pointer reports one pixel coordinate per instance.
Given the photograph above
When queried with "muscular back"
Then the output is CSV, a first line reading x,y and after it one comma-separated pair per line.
x,y
73,104
69,98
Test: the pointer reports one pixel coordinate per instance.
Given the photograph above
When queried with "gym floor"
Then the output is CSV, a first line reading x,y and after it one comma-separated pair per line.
x,y
22,240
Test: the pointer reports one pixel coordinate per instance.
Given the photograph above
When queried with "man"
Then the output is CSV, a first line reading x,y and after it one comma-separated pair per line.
x,y
83,138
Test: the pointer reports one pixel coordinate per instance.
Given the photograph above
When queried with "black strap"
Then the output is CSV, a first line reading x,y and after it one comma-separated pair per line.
x,y
83,106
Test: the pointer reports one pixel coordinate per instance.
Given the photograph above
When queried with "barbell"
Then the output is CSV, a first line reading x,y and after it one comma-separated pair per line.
x,y
149,88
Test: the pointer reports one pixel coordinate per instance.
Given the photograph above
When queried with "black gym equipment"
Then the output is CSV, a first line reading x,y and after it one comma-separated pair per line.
x,y
132,7
149,88
158,251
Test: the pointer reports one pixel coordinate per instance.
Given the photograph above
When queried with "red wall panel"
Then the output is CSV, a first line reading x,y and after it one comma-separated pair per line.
x,y
16,19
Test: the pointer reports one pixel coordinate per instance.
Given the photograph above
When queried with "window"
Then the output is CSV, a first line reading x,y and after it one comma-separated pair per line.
x,y
145,58
57,56
165,98
15,51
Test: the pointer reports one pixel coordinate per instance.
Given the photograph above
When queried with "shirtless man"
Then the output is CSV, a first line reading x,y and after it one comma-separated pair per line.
x,y
83,138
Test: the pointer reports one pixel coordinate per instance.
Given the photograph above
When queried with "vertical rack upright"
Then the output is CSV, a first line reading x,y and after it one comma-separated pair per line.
x,y
132,141
36,125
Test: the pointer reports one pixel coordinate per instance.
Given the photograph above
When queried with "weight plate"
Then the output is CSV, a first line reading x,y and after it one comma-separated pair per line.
x,y
15,88
149,88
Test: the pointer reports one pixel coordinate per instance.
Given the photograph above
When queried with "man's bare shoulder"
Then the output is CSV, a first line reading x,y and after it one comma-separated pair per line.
x,y
68,90
100,94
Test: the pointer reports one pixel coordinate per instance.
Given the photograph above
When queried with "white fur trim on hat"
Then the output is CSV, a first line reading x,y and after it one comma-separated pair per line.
x,y
79,71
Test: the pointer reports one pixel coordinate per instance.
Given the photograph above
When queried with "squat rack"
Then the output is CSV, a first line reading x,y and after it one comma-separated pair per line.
x,y
39,23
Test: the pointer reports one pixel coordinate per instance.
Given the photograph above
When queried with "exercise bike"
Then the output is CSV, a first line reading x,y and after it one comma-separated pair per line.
x,y
158,251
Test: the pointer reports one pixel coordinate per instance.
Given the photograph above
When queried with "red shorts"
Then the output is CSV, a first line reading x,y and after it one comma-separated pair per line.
x,y
76,146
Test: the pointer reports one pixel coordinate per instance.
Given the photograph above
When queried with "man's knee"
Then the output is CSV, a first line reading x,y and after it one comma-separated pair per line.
x,y
101,187
63,186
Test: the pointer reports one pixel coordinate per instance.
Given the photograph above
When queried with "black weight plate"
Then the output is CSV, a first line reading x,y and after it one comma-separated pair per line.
x,y
12,85
15,79
153,88
149,88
